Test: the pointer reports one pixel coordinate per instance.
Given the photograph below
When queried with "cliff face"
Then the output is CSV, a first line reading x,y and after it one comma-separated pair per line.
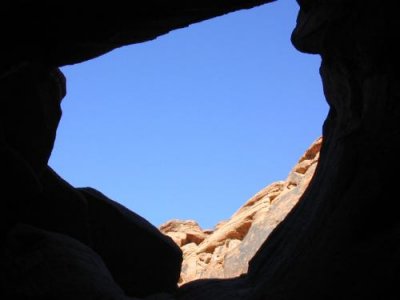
x,y
225,251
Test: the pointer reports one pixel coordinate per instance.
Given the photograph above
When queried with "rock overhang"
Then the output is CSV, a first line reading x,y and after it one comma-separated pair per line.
x,y
68,32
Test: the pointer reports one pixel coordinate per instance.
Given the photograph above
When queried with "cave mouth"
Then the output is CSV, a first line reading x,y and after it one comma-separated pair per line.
x,y
200,118
63,240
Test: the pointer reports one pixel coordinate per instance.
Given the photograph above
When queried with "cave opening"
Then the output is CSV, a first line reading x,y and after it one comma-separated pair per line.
x,y
63,241
194,123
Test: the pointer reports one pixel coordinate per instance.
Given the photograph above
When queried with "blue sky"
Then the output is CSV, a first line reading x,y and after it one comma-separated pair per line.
x,y
194,123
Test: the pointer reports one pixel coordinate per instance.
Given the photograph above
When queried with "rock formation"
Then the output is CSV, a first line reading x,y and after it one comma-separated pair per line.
x,y
341,241
225,251
57,239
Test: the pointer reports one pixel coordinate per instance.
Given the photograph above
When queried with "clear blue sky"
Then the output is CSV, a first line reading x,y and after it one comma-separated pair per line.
x,y
192,124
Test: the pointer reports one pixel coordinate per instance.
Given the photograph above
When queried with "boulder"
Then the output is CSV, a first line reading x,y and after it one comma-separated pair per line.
x,y
140,258
183,232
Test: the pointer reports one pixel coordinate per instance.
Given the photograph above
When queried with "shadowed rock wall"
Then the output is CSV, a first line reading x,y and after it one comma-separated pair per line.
x,y
68,32
58,241
341,241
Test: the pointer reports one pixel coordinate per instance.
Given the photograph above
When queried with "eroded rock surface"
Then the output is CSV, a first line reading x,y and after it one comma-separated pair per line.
x,y
225,251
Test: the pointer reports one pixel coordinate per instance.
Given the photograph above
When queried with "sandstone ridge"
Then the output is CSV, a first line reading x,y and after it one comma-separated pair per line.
x,y
224,252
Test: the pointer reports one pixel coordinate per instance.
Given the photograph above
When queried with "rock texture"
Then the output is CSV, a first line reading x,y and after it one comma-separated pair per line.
x,y
225,251
342,239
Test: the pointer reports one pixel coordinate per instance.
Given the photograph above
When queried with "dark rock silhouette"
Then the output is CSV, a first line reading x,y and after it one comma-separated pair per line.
x,y
141,259
39,264
341,241
57,240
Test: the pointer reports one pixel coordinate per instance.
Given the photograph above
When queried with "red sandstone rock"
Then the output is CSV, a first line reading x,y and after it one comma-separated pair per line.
x,y
226,251
184,232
